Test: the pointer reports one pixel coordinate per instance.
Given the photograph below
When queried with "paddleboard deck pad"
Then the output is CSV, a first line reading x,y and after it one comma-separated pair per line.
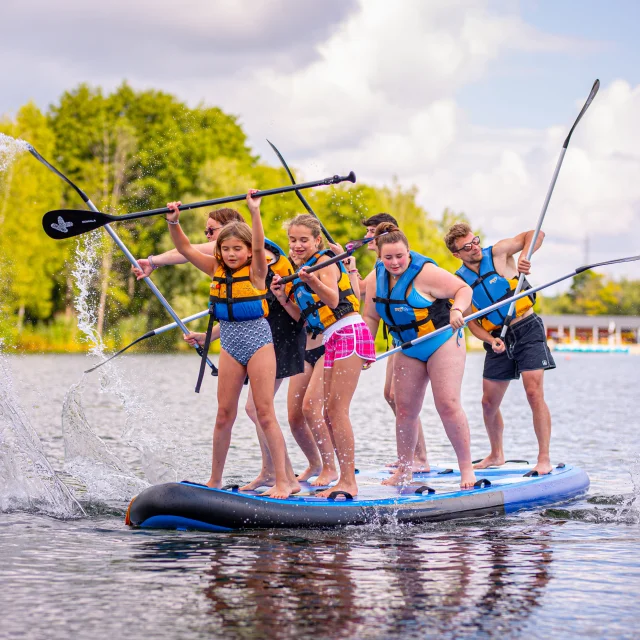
x,y
432,497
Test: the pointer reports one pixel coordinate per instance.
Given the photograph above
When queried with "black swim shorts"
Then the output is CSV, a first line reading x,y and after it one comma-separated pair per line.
x,y
527,350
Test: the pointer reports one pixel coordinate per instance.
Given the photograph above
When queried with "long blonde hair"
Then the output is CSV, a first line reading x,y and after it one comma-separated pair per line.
x,y
238,230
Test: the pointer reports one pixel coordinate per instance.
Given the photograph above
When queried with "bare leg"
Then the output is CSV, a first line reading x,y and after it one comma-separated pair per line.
x,y
410,381
446,368
229,386
313,408
299,427
492,394
262,372
266,477
534,386
340,384
420,460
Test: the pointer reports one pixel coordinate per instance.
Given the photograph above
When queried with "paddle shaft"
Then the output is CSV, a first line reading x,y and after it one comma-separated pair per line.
x,y
512,306
502,303
302,199
243,196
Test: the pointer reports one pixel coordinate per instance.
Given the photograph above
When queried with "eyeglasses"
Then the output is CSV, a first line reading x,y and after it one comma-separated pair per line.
x,y
209,231
469,245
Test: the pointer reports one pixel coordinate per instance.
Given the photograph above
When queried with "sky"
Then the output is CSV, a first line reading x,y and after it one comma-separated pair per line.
x,y
470,101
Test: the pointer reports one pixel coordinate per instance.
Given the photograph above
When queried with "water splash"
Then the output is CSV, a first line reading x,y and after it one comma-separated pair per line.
x,y
9,149
87,457
27,480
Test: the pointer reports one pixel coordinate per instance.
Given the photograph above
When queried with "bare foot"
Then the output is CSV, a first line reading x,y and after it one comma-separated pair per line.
x,y
467,478
263,480
308,472
213,484
294,487
349,488
326,477
399,477
280,492
489,461
543,467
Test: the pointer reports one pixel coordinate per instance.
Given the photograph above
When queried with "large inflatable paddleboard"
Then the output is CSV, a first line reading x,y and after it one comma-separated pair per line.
x,y
431,497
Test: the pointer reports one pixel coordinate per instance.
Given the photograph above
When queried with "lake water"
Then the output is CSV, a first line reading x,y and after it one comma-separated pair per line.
x,y
572,570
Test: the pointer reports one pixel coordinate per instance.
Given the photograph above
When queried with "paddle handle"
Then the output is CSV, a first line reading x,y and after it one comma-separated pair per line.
x,y
351,177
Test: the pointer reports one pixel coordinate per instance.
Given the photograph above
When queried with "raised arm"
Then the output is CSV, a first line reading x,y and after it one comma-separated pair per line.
x,y
171,257
259,264
510,246
207,264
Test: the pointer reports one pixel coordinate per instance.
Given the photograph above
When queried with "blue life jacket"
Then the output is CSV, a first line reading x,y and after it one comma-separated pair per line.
x,y
490,287
316,313
404,321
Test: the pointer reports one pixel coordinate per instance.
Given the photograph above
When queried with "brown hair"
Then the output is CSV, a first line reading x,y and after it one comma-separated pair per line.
x,y
458,230
309,221
225,216
391,234
239,230
379,218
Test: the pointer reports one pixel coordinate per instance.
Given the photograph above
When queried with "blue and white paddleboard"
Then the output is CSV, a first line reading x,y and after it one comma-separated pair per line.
x,y
431,497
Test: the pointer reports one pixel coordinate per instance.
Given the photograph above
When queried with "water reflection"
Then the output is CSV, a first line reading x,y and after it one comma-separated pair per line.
x,y
393,582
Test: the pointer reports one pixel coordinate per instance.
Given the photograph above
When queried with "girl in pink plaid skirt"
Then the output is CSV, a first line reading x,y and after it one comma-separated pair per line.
x,y
328,304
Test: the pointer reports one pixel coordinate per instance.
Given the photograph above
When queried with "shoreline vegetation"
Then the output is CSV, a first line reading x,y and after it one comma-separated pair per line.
x,y
133,150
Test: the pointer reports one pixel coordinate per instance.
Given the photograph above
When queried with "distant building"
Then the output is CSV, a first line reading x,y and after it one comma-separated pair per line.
x,y
609,330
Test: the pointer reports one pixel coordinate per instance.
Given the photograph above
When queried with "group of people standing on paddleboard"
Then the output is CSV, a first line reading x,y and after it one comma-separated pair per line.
x,y
309,329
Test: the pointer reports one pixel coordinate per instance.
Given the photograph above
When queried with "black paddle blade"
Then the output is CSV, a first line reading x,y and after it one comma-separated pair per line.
x,y
592,95
67,223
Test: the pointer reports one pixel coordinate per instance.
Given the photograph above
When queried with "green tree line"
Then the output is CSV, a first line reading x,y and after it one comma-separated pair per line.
x,y
593,294
131,150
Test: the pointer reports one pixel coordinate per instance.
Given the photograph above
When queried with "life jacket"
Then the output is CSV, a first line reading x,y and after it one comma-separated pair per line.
x,y
280,266
234,298
490,287
405,322
316,313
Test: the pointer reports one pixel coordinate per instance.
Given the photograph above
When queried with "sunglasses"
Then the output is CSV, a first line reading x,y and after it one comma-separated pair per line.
x,y
209,231
469,245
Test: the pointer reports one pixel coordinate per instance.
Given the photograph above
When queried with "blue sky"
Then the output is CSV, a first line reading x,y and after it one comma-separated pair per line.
x,y
534,89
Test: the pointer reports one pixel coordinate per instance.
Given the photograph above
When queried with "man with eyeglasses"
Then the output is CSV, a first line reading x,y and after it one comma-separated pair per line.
x,y
492,273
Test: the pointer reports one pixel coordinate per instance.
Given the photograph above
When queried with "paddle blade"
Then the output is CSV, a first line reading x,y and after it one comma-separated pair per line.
x,y
67,223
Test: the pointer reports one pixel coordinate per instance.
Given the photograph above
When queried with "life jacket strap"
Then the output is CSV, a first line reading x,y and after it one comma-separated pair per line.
x,y
205,348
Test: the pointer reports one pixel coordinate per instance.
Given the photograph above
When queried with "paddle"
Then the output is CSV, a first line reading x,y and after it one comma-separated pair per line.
x,y
66,223
497,305
150,334
512,307
302,199
350,246
127,253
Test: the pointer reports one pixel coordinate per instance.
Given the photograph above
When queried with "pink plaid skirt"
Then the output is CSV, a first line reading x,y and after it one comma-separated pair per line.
x,y
355,338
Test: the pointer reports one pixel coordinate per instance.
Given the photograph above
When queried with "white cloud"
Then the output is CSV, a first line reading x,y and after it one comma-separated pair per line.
x,y
369,86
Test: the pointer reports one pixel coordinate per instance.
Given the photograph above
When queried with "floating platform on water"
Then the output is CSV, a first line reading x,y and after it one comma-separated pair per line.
x,y
433,496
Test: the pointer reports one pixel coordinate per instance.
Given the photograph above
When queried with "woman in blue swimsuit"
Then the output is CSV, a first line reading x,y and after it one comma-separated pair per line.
x,y
411,294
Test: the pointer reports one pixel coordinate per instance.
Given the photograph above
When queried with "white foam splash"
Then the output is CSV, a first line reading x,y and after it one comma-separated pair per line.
x,y
9,149
27,480
86,456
